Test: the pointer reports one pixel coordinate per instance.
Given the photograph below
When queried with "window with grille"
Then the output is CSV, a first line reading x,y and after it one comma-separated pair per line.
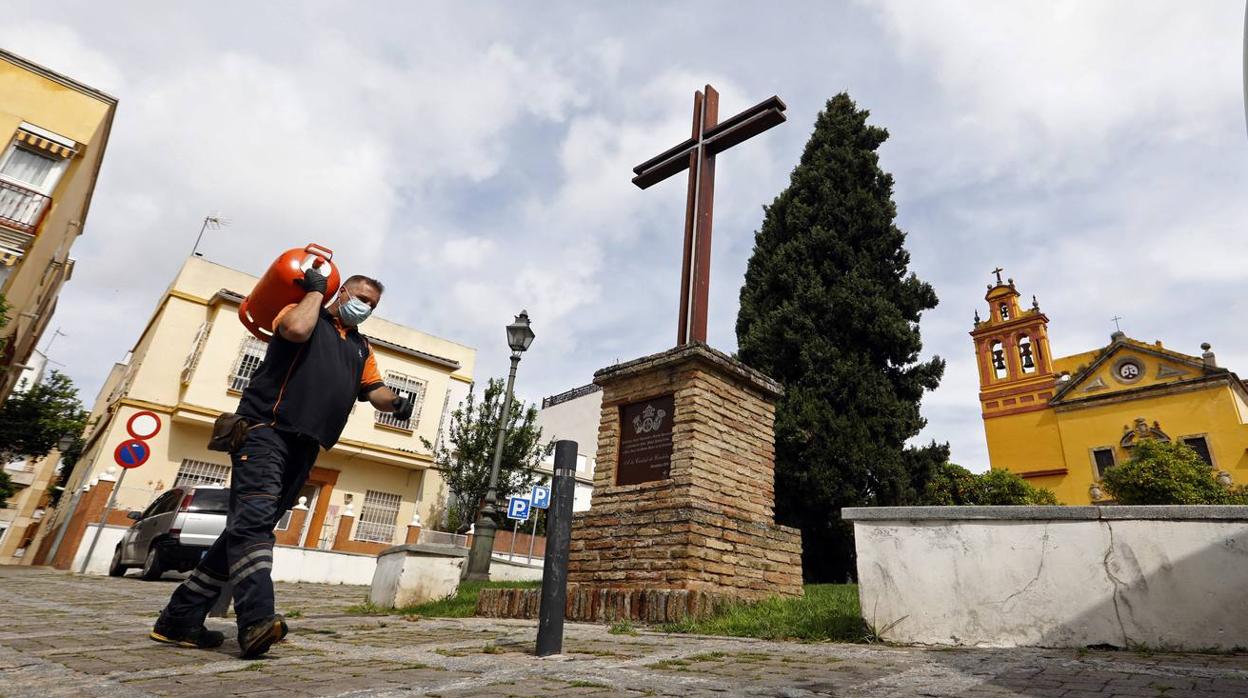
x,y
1201,447
378,517
194,473
250,356
408,387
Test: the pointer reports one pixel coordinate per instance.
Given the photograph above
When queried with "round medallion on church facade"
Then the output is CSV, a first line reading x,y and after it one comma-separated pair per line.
x,y
1128,370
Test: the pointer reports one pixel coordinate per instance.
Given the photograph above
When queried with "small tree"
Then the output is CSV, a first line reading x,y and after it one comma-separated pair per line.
x,y
33,421
1161,472
6,488
953,485
465,464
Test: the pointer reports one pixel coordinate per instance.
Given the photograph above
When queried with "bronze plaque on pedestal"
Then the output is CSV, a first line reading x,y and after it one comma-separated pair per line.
x,y
645,441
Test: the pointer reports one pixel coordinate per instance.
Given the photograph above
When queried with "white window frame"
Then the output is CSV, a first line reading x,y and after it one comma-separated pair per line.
x,y
250,356
406,386
54,174
379,517
198,473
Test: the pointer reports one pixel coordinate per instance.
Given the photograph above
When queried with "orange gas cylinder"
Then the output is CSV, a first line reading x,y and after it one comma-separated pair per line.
x,y
277,288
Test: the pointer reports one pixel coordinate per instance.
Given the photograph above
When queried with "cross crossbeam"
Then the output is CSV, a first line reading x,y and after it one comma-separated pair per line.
x,y
697,154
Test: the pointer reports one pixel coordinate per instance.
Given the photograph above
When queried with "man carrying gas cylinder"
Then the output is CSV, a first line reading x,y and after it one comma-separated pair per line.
x,y
317,365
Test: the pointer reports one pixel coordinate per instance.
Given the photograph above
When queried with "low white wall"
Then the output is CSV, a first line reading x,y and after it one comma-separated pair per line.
x,y
102,556
1161,577
414,574
291,564
503,570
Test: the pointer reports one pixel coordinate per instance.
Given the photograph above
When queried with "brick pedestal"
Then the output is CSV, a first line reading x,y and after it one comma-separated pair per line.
x,y
290,536
705,534
413,534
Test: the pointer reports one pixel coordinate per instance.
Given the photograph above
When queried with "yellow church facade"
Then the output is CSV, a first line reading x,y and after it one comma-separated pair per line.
x,y
1060,423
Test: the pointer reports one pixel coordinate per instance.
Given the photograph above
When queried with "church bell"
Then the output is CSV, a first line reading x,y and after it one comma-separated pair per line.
x,y
1027,362
998,359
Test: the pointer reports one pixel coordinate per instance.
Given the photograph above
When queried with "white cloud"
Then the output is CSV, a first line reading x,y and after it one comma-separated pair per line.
x,y
62,49
478,158
1045,89
467,253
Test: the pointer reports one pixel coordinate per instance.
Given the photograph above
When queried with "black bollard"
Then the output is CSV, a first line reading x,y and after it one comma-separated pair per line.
x,y
558,540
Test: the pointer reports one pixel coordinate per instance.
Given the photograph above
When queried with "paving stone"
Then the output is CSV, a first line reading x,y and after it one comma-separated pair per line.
x,y
63,635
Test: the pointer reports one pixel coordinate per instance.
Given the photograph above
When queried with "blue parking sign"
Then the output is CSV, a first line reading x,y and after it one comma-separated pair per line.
x,y
518,509
540,497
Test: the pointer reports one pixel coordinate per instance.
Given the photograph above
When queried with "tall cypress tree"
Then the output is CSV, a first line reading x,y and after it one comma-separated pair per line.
x,y
830,310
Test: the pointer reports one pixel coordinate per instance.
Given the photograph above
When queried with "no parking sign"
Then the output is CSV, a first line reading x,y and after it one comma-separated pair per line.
x,y
132,453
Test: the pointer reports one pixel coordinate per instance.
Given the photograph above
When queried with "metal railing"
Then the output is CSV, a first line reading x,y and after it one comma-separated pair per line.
x,y
570,395
22,209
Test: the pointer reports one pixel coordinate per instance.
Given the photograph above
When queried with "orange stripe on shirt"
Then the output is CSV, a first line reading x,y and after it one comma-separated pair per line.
x,y
370,376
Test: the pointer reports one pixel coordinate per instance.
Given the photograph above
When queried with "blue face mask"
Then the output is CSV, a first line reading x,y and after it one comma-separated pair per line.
x,y
354,311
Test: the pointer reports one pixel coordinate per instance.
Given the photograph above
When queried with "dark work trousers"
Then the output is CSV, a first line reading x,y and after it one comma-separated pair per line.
x,y
269,470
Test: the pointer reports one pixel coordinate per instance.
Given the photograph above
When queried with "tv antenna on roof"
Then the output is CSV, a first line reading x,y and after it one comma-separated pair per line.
x,y
215,221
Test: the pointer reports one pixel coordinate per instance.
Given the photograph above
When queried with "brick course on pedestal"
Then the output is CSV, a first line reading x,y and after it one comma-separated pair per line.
x,y
705,535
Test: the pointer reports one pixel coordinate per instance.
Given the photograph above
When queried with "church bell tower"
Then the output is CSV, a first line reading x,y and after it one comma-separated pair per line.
x,y
1012,351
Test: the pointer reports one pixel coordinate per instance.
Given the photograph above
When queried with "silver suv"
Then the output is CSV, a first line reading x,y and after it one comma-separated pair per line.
x,y
173,533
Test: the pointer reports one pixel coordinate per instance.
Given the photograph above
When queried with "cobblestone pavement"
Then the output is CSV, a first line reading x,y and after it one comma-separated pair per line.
x,y
63,635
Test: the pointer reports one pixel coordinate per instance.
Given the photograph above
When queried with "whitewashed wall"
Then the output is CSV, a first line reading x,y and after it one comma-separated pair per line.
x,y
102,556
1160,577
290,564
504,570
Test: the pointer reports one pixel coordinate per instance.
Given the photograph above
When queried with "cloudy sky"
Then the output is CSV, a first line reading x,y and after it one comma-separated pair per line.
x,y
477,157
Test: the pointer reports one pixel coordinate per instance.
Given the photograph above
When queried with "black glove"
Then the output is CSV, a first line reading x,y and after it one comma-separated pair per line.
x,y
403,408
313,280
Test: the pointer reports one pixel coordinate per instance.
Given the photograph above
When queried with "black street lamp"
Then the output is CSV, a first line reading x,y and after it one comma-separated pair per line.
x,y
519,337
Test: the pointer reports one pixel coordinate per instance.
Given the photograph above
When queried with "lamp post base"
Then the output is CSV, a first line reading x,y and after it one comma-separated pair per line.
x,y
482,550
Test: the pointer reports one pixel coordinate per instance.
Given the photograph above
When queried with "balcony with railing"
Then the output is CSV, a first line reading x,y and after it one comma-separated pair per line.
x,y
21,474
22,209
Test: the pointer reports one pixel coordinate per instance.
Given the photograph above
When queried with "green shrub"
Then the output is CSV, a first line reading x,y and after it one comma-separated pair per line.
x,y
953,485
1162,472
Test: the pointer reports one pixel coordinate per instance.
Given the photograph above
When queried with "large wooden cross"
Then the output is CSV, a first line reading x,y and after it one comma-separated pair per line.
x,y
697,154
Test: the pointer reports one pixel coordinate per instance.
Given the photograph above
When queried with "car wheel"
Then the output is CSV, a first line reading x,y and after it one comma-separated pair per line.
x,y
152,569
115,568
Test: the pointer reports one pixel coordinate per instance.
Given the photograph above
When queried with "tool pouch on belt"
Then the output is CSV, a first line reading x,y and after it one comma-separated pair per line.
x,y
228,433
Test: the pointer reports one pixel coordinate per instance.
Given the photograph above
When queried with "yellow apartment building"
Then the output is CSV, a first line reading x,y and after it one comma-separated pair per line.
x,y
1061,422
191,363
54,131
30,479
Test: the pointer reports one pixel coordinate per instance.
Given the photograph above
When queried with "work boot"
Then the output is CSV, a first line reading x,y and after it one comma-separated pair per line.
x,y
257,638
199,638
